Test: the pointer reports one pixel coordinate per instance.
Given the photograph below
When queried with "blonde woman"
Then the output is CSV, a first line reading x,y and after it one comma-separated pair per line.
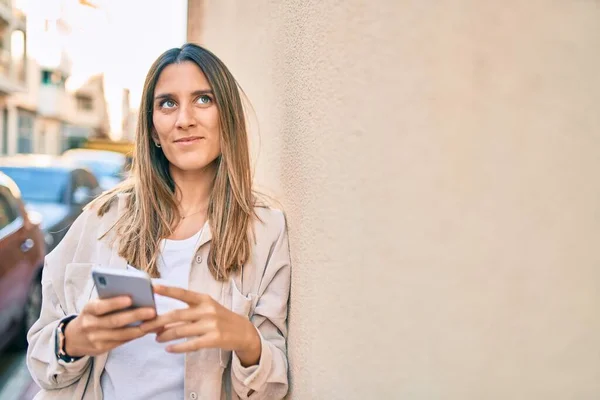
x,y
188,217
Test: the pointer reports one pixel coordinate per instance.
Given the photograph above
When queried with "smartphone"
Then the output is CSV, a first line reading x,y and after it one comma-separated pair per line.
x,y
130,282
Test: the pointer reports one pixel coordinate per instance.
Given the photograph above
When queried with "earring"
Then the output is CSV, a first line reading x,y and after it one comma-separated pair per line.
x,y
157,144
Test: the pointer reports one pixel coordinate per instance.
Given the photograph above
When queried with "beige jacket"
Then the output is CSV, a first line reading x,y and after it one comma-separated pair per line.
x,y
261,294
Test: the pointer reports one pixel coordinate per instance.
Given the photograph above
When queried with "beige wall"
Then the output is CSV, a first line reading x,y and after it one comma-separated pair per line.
x,y
195,16
438,162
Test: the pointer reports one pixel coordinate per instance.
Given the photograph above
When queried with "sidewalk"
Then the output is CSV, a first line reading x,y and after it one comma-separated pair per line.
x,y
16,382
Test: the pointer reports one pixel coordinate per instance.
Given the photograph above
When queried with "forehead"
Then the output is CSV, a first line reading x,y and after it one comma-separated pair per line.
x,y
180,78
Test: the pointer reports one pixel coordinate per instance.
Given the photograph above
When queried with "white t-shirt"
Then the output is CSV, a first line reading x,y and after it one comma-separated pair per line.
x,y
142,368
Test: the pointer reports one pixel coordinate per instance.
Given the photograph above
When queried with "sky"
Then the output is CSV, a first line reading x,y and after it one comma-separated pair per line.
x,y
121,38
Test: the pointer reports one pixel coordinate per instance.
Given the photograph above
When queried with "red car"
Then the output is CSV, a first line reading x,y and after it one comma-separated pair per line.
x,y
22,251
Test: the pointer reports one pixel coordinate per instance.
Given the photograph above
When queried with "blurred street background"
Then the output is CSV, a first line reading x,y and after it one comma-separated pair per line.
x,y
71,75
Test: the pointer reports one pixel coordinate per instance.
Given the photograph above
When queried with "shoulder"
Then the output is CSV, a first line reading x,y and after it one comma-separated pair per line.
x,y
270,221
268,211
88,228
269,232
98,216
270,216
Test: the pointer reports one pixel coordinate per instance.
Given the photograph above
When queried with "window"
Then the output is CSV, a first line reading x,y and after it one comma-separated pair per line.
x,y
25,132
52,78
46,77
83,179
71,142
4,216
89,181
7,212
84,103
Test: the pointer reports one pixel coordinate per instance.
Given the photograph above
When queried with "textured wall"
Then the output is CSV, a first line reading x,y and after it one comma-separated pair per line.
x,y
195,16
438,162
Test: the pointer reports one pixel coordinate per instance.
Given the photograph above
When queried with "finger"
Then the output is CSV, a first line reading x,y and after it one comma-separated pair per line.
x,y
169,326
124,318
187,296
157,331
184,331
202,342
161,329
104,306
116,335
175,316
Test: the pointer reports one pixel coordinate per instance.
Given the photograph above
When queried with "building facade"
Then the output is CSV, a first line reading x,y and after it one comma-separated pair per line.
x,y
39,113
13,71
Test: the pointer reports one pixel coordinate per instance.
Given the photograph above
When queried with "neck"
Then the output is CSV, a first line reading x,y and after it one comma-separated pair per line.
x,y
193,188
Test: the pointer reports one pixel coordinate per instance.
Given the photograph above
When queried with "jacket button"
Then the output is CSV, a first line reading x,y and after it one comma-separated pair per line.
x,y
198,259
193,396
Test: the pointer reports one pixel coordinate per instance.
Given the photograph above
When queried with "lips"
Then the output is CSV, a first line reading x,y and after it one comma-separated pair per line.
x,y
188,139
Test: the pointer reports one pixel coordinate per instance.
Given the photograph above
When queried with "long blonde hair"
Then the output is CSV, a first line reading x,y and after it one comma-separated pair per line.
x,y
152,211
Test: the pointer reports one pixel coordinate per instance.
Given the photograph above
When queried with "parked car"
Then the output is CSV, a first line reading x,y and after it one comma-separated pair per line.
x,y
109,167
53,187
22,251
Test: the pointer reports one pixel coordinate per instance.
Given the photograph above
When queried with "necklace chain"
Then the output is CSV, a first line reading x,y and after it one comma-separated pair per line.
x,y
189,215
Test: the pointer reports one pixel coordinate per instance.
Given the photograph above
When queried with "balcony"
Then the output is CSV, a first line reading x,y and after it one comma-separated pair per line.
x,y
5,62
8,82
6,11
11,16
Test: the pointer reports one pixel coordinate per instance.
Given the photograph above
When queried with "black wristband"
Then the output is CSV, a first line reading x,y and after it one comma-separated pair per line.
x,y
60,341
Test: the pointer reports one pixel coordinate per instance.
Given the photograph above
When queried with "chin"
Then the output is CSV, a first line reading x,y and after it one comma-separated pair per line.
x,y
192,165
188,167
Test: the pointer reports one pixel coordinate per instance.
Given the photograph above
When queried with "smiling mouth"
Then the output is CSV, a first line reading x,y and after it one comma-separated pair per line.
x,y
189,139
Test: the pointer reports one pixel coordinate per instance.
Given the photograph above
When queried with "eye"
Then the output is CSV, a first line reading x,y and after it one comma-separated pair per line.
x,y
204,99
167,104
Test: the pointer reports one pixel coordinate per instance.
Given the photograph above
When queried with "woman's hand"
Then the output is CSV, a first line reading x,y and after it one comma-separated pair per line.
x,y
102,326
206,324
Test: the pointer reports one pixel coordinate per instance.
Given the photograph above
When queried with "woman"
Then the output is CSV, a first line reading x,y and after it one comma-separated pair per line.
x,y
188,217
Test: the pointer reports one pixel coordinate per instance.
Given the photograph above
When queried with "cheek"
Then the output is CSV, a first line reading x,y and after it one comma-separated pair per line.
x,y
162,124
212,125
217,146
217,139
211,121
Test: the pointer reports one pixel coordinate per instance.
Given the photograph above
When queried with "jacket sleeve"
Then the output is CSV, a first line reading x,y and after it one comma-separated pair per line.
x,y
269,379
46,369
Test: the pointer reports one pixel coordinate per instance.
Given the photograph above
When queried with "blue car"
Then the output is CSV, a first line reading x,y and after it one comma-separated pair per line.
x,y
52,187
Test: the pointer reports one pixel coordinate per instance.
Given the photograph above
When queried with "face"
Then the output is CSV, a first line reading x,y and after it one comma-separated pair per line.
x,y
186,118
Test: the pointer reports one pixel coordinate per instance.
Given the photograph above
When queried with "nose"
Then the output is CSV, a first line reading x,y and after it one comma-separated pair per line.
x,y
186,118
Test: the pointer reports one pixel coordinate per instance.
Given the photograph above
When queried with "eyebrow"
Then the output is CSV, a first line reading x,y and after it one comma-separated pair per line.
x,y
170,95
